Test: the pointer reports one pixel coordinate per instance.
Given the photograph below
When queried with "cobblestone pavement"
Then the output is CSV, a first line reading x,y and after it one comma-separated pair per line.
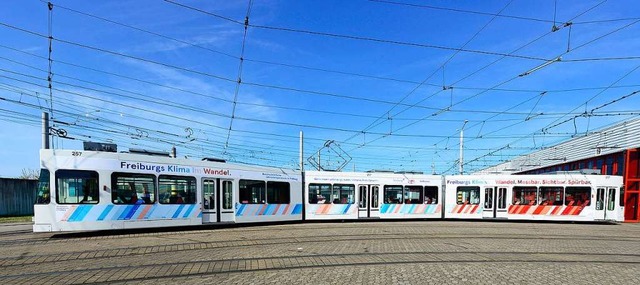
x,y
420,252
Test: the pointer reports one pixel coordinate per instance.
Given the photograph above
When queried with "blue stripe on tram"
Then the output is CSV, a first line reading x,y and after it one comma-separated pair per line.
x,y
105,212
177,213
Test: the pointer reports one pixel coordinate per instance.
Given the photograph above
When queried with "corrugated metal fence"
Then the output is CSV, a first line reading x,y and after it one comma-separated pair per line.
x,y
17,196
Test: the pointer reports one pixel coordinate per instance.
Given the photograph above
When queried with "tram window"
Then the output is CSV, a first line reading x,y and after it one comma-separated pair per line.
x,y
319,193
392,194
128,188
611,202
344,193
431,194
525,195
551,196
502,198
577,196
252,192
488,198
176,189
227,195
208,194
374,196
43,195
621,196
362,196
413,195
600,199
77,186
468,195
278,192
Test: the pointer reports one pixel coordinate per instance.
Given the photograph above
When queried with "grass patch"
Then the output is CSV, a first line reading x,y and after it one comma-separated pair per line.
x,y
19,219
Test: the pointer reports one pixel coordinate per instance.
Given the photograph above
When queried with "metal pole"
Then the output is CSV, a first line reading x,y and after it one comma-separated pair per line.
x,y
305,194
45,130
301,151
462,147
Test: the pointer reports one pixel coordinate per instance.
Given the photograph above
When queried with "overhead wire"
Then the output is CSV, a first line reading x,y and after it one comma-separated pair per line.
x,y
131,126
442,66
582,13
149,100
447,109
111,132
359,38
553,21
237,89
597,38
293,108
246,83
328,70
128,134
93,107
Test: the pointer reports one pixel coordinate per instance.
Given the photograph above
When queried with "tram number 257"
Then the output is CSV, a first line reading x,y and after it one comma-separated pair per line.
x,y
76,153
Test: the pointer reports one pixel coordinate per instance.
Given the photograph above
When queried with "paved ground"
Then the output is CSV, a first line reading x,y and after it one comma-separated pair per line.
x,y
333,253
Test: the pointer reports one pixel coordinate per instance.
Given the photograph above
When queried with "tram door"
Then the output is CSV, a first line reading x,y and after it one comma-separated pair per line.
x,y
605,204
495,202
209,214
368,201
225,202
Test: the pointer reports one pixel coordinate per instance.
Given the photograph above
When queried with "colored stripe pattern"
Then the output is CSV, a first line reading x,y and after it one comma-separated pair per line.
x,y
92,213
410,208
248,210
466,209
332,209
568,210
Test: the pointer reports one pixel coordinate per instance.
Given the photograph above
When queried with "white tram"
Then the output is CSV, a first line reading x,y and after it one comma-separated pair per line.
x,y
98,190
91,190
559,197
358,195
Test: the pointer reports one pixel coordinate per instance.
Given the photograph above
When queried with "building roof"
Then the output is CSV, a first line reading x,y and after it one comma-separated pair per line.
x,y
608,140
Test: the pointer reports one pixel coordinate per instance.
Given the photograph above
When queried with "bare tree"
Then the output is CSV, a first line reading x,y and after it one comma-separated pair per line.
x,y
29,173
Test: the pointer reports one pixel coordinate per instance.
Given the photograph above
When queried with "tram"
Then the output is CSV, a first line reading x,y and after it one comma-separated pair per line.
x,y
103,190
94,190
559,197
361,195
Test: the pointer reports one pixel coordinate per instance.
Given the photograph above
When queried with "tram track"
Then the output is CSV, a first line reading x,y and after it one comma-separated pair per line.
x,y
316,225
12,233
243,231
275,241
321,225
158,270
216,253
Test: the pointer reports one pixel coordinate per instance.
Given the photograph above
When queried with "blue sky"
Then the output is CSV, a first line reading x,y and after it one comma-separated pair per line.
x,y
368,75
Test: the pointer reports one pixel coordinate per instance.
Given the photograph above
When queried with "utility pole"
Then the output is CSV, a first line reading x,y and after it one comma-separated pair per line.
x,y
462,147
301,151
45,130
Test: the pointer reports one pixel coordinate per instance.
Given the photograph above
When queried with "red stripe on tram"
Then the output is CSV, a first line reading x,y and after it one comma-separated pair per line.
x,y
522,209
538,210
